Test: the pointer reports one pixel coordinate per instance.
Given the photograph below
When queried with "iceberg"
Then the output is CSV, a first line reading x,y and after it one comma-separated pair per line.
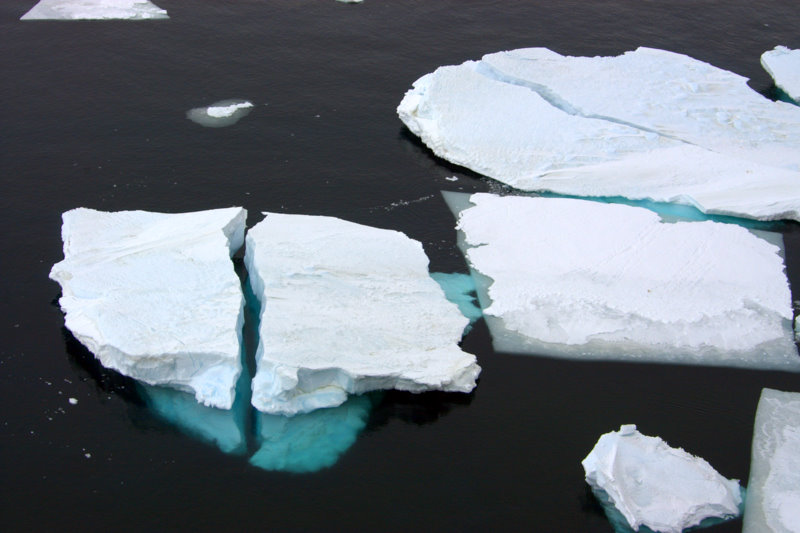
x,y
589,280
94,10
346,309
155,296
773,491
648,124
220,114
656,486
783,65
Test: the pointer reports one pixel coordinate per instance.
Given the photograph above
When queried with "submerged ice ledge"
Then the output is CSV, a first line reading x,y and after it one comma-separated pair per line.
x,y
587,280
647,124
653,485
347,309
94,10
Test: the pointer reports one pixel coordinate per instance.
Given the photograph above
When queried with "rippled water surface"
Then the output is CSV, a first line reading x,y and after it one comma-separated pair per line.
x,y
94,114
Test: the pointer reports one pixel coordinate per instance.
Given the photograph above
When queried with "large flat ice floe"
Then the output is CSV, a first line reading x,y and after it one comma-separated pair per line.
x,y
653,485
773,492
347,308
589,280
94,10
783,65
649,125
155,297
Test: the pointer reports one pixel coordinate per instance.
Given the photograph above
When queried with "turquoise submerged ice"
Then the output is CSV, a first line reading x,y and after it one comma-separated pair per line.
x,y
645,125
773,492
588,280
94,10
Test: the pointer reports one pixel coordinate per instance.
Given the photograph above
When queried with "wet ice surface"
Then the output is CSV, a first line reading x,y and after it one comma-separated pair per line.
x,y
655,486
647,124
94,10
346,309
587,280
783,64
155,297
773,492
220,114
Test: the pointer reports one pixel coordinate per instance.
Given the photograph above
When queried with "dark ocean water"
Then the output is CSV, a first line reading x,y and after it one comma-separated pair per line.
x,y
93,114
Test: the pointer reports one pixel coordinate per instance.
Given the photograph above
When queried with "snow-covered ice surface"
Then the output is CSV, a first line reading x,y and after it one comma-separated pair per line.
x,y
155,297
773,491
348,308
654,485
647,124
220,114
94,10
783,65
589,280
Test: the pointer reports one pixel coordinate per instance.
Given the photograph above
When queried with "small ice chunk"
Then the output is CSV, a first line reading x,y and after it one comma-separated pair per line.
x,y
653,485
346,309
648,124
155,297
589,280
220,114
94,10
773,491
783,65
73,401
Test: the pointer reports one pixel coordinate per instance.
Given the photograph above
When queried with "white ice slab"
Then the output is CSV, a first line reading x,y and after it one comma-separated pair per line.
x,y
155,297
783,65
651,484
773,492
348,308
589,280
645,125
94,10
220,114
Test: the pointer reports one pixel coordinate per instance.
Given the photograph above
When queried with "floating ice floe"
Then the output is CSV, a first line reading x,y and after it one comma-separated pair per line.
x,y
155,297
656,486
773,492
647,124
783,65
347,309
589,280
94,10
220,114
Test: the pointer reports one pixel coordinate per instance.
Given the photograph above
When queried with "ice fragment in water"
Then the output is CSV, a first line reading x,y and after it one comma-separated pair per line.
x,y
220,114
783,65
94,10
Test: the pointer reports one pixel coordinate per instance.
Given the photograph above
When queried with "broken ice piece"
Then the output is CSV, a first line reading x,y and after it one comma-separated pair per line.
x,y
783,65
220,114
773,491
653,485
646,125
347,309
155,297
589,280
94,10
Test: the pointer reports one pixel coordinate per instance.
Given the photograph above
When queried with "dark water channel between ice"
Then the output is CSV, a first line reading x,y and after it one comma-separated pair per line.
x,y
93,114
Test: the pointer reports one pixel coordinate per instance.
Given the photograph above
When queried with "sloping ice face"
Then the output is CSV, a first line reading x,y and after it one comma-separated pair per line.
x,y
587,280
347,309
94,10
646,125
773,491
783,65
155,296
